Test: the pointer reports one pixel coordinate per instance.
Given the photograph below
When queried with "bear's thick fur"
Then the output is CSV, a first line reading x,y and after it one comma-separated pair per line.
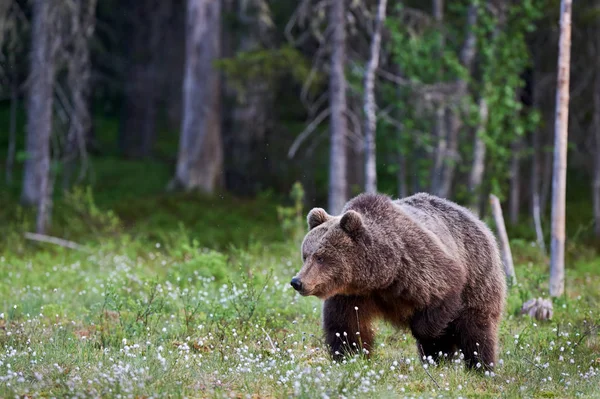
x,y
421,262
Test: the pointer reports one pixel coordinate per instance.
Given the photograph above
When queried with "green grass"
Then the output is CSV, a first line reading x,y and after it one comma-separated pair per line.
x,y
147,309
182,295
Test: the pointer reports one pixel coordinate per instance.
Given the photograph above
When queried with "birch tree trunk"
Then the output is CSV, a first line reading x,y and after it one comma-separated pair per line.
x,y
200,158
401,176
337,102
507,259
441,134
454,121
439,129
478,168
546,183
39,112
479,148
515,181
142,84
248,118
79,80
596,128
535,192
559,178
12,129
369,102
536,171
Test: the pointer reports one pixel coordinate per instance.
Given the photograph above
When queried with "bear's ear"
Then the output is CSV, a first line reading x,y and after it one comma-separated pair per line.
x,y
352,223
316,217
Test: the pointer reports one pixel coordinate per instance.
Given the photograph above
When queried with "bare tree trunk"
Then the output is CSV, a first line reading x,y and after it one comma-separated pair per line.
x,y
369,102
454,122
507,259
478,168
439,128
39,112
595,47
479,148
596,128
12,129
142,85
515,181
535,180
535,192
441,135
200,159
401,176
559,180
338,189
79,80
248,117
546,181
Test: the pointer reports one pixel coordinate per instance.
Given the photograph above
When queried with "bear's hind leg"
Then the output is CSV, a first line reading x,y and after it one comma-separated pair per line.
x,y
440,348
478,343
347,324
434,329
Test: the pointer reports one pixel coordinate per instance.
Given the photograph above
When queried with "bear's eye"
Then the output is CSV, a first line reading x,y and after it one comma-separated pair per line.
x,y
319,259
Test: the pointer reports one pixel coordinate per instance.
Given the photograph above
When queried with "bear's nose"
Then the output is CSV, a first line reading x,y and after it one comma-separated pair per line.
x,y
296,283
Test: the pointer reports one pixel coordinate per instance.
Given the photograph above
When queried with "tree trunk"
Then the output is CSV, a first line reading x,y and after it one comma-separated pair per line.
x,y
596,128
507,259
478,168
440,111
559,179
200,159
454,122
12,129
142,84
515,181
535,178
338,189
401,176
479,148
39,112
546,181
79,80
441,135
369,102
247,118
171,65
535,192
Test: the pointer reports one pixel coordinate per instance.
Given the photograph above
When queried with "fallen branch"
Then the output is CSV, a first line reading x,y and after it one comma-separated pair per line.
x,y
54,240
507,259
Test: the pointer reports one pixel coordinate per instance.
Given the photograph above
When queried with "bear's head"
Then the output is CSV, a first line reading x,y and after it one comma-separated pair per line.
x,y
334,253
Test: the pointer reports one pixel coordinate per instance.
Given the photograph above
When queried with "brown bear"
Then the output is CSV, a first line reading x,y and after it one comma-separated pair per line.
x,y
421,262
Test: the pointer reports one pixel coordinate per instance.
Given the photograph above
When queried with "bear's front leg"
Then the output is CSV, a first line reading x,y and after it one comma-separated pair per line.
x,y
347,324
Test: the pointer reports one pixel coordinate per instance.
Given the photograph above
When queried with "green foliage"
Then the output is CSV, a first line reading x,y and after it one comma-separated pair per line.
x,y
79,211
425,58
504,56
292,217
264,65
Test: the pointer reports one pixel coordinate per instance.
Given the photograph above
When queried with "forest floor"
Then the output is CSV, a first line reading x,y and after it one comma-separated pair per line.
x,y
179,295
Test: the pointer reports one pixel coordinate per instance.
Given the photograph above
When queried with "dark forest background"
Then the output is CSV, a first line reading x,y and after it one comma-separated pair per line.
x,y
145,97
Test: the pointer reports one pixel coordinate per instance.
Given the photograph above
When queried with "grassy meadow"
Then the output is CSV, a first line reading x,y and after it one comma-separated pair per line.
x,y
179,295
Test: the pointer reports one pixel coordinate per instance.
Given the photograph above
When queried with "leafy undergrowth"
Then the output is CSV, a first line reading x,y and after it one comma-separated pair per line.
x,y
139,315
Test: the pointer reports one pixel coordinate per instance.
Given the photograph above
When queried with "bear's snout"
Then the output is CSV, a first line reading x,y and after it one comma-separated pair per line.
x,y
297,284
